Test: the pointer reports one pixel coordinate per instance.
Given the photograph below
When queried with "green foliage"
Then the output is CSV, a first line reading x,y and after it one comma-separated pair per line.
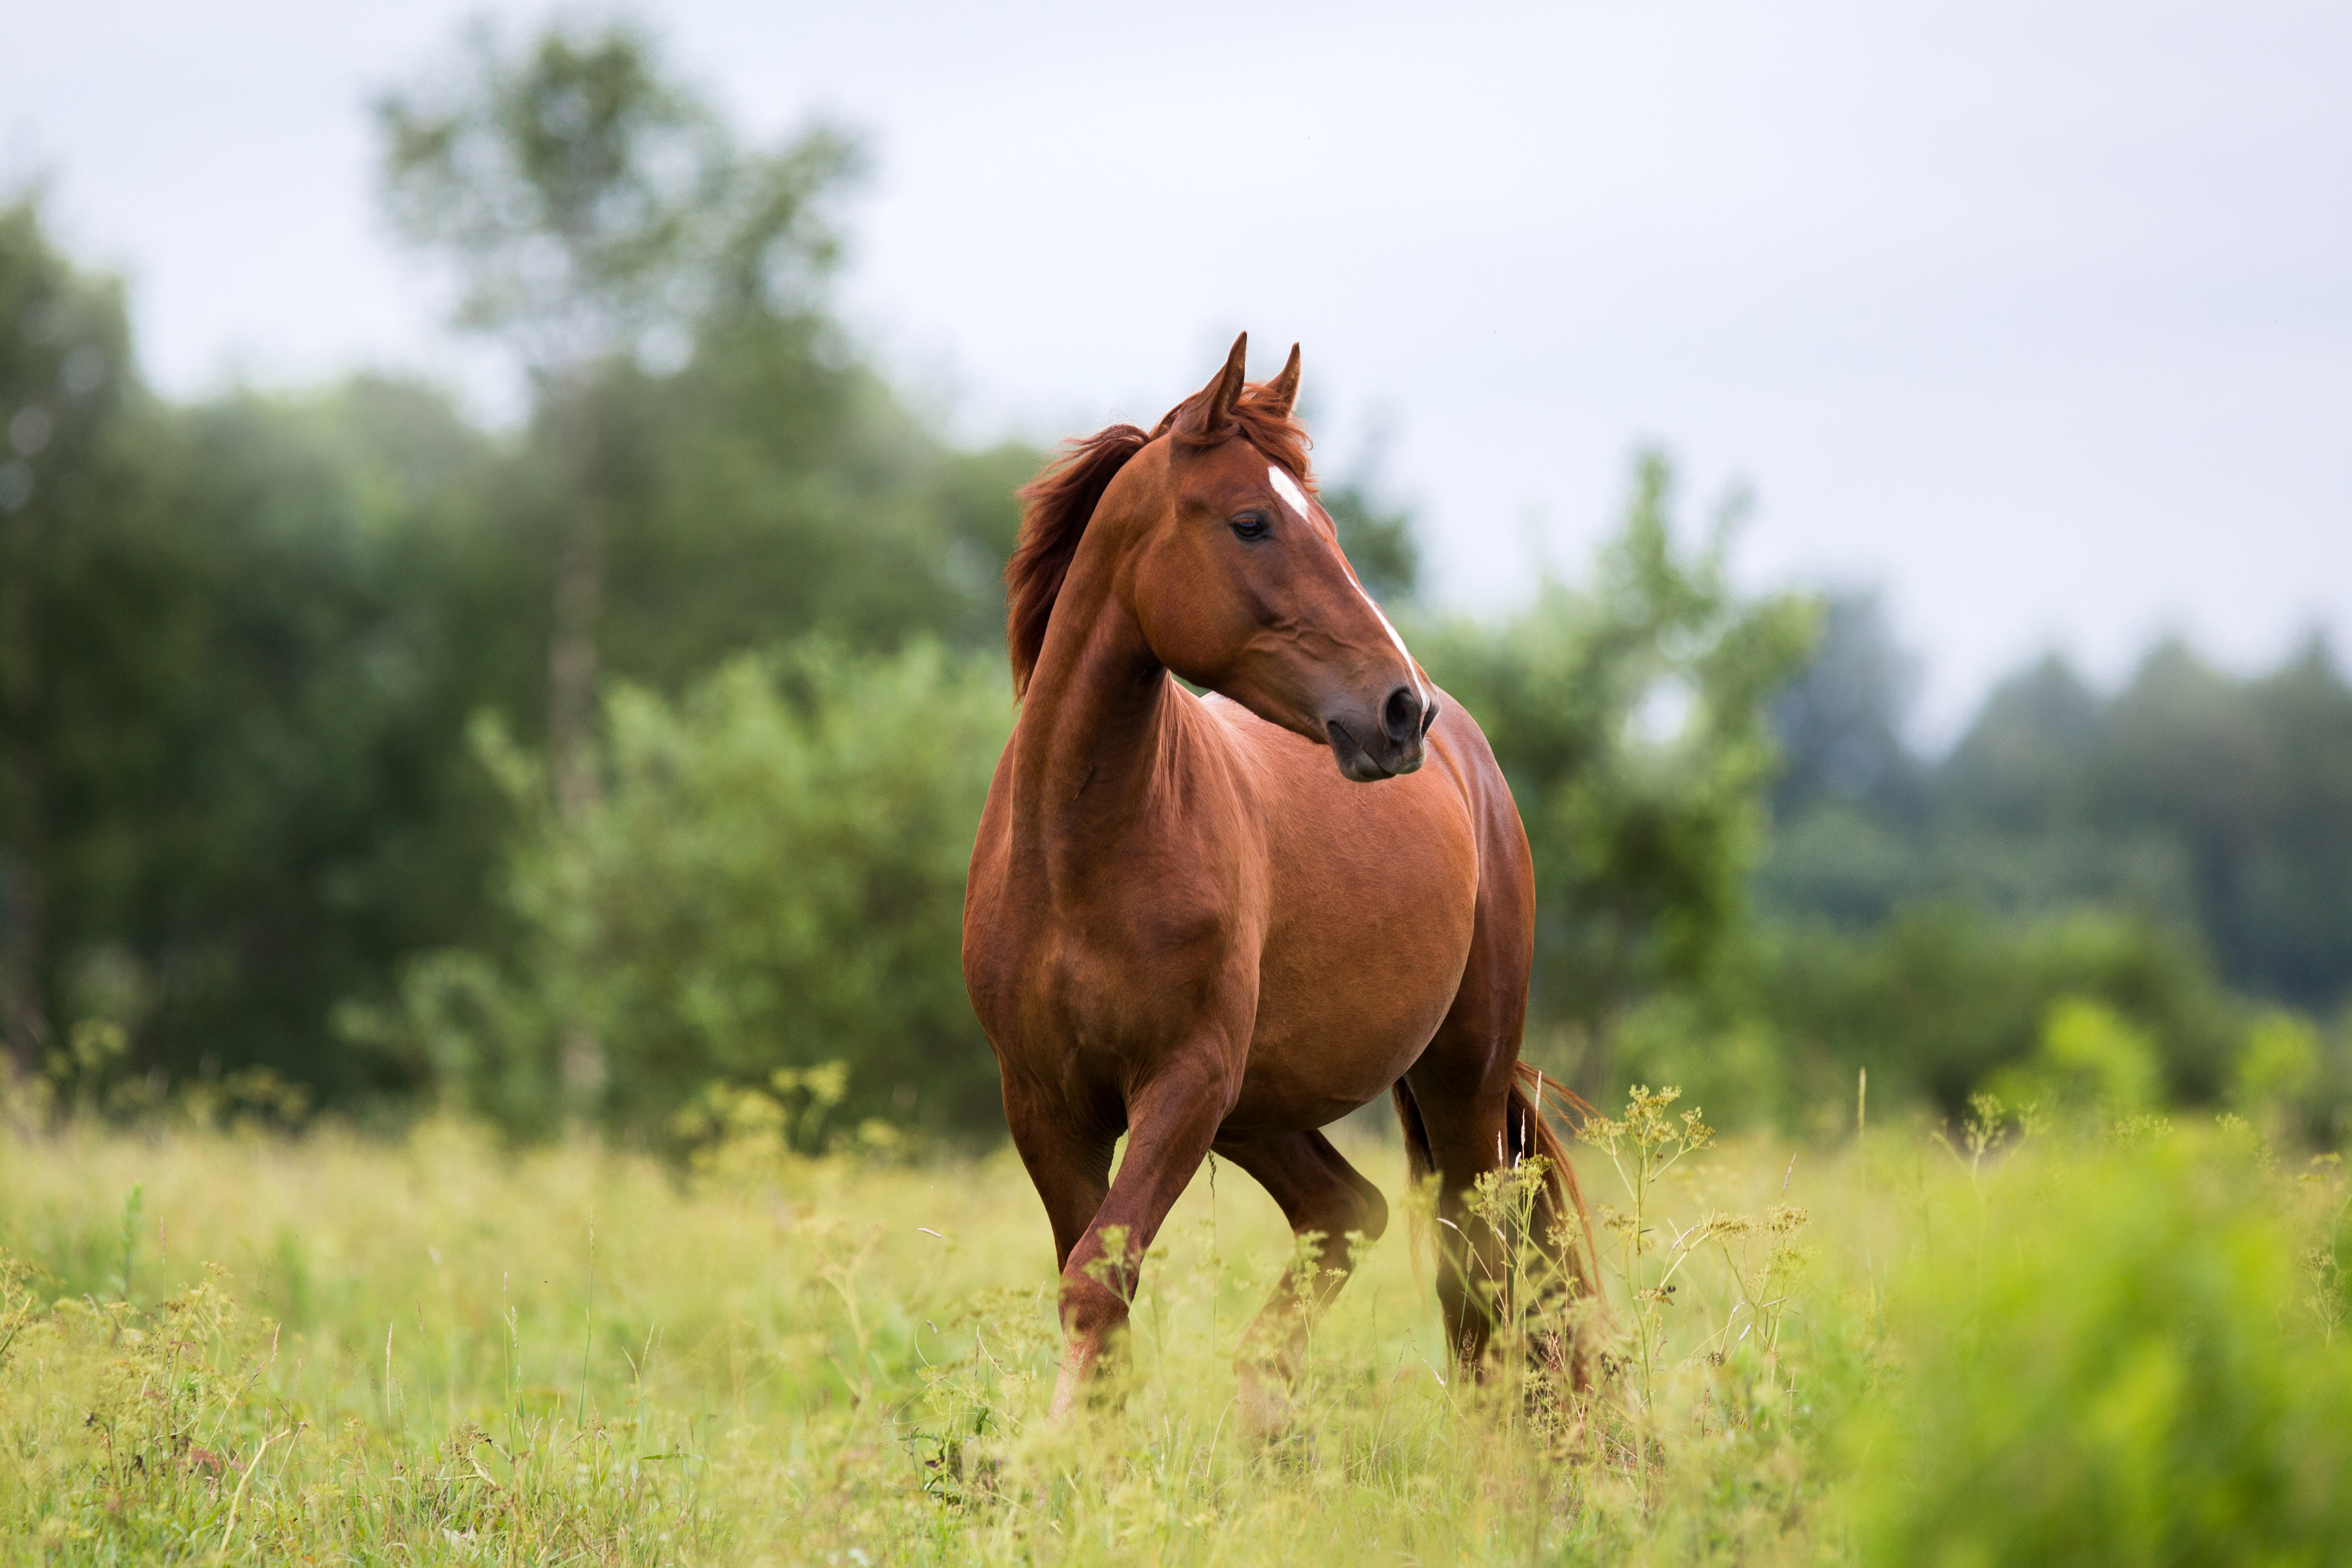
x,y
2090,1060
2251,779
1377,538
2279,1063
2204,813
1631,717
274,641
2209,801
1939,999
227,629
731,1125
1841,720
2107,1366
591,206
772,880
773,486
248,640
64,402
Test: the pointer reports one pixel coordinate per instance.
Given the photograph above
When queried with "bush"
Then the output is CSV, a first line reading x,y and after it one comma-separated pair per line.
x,y
2091,1060
1941,1000
2134,1375
773,880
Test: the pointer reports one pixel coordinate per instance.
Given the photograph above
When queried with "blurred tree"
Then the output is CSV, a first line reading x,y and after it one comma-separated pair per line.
x,y
1632,720
1839,723
271,655
598,214
603,220
2025,763
65,384
774,486
2251,780
1377,537
241,641
312,813
2216,804
1937,1002
1849,807
773,880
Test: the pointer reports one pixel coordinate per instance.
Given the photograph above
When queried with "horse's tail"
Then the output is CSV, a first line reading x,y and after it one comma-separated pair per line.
x,y
1420,1164
1563,1226
1563,1223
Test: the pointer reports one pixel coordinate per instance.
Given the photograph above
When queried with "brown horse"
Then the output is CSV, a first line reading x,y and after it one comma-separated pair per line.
x,y
1184,924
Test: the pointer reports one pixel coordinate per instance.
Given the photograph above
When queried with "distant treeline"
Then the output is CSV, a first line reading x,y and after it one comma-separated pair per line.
x,y
2176,854
247,640
2216,804
359,756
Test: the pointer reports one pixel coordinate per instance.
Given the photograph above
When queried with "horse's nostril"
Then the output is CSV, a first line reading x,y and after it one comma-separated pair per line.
x,y
1400,715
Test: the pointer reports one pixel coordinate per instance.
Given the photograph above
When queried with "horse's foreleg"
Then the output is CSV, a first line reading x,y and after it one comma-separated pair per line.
x,y
1322,1197
1171,1125
1069,1159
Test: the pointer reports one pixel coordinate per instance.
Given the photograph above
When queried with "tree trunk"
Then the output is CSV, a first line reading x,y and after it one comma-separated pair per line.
x,y
22,941
579,603
571,667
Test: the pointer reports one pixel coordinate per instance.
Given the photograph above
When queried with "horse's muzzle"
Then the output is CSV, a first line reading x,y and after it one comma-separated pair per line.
x,y
1381,755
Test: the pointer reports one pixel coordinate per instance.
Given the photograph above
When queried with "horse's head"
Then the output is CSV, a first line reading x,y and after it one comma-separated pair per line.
x,y
1235,576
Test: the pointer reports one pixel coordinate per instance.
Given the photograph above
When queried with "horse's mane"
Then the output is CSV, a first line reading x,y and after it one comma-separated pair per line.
x,y
1055,505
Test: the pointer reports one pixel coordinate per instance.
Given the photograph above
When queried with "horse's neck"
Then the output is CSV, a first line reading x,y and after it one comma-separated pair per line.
x,y
1097,728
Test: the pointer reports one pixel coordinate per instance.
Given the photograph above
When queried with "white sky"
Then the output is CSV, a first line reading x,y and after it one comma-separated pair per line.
x,y
2040,315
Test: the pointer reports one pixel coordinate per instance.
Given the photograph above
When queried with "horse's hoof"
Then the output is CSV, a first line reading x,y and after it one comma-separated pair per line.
x,y
1266,1410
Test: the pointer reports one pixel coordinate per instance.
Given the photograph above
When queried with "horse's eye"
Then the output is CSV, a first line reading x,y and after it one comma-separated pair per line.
x,y
1249,525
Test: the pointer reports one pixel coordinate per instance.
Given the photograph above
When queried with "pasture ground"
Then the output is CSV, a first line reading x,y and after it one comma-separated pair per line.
x,y
2115,1344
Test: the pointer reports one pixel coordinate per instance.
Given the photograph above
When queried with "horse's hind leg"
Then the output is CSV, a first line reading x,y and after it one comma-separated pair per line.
x,y
1323,1196
1457,1098
1462,1128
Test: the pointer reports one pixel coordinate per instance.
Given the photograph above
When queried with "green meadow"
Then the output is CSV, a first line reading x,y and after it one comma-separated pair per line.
x,y
2016,1344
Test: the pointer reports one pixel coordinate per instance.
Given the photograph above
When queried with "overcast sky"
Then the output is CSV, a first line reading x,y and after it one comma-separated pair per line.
x,y
2038,315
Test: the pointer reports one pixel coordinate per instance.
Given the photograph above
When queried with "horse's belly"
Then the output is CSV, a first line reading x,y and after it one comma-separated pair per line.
x,y
1364,962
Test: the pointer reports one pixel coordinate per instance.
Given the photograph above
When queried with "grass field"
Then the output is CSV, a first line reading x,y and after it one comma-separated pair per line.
x,y
2096,1346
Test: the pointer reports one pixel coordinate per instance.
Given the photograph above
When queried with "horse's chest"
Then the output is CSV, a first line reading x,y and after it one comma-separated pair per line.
x,y
1134,961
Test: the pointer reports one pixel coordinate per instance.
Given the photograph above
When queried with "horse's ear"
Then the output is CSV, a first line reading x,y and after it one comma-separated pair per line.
x,y
1214,409
1283,390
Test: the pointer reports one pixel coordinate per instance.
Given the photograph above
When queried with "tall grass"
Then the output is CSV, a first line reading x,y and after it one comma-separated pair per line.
x,y
248,1347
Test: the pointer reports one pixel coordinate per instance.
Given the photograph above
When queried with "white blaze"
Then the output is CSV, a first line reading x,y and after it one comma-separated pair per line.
x,y
1288,489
